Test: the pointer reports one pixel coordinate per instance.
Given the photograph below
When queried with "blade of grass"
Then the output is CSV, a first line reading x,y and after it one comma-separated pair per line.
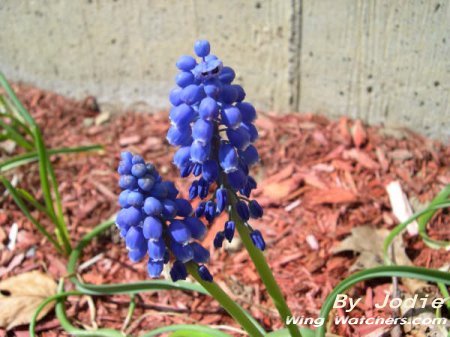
x,y
11,113
62,317
27,213
445,294
425,218
187,330
15,136
306,332
30,157
16,102
399,228
36,204
60,215
45,170
44,165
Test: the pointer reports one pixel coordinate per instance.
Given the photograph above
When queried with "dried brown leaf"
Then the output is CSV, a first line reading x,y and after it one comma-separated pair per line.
x,y
21,295
368,242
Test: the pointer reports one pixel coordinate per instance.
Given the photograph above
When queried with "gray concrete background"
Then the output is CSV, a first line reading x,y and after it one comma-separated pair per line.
x,y
382,61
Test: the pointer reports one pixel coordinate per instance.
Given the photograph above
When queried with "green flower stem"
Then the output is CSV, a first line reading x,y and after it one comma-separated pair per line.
x,y
264,271
226,302
425,274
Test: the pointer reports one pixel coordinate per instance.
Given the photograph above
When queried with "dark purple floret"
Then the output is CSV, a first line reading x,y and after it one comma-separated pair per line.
x,y
205,274
258,240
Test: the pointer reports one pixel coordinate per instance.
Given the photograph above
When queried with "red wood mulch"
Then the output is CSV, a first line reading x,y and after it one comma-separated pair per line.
x,y
318,177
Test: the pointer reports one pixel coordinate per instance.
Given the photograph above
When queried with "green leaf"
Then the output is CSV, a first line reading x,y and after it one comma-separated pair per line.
x,y
15,136
11,113
32,200
16,102
30,157
187,330
423,220
20,203
137,287
306,332
46,170
399,228
46,173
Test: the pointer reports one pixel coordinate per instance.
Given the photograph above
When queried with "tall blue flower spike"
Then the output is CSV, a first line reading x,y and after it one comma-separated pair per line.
x,y
213,128
156,223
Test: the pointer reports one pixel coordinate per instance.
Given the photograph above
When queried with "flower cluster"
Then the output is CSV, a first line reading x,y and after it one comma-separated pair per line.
x,y
154,221
213,128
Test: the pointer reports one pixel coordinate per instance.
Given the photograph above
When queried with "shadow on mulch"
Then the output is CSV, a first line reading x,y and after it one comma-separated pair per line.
x,y
317,180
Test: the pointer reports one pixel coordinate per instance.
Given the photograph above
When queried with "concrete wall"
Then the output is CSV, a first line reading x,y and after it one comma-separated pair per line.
x,y
383,61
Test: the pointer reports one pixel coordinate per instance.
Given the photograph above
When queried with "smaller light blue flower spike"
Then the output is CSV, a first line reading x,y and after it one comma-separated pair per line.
x,y
152,217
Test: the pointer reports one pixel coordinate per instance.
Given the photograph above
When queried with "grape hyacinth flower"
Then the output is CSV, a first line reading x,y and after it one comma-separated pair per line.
x,y
154,221
213,127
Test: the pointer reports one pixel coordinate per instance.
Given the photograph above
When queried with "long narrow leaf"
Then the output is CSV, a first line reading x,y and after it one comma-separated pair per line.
x,y
425,274
399,228
45,170
18,105
306,332
11,113
27,213
30,157
74,331
48,300
187,330
424,219
59,209
32,200
15,136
